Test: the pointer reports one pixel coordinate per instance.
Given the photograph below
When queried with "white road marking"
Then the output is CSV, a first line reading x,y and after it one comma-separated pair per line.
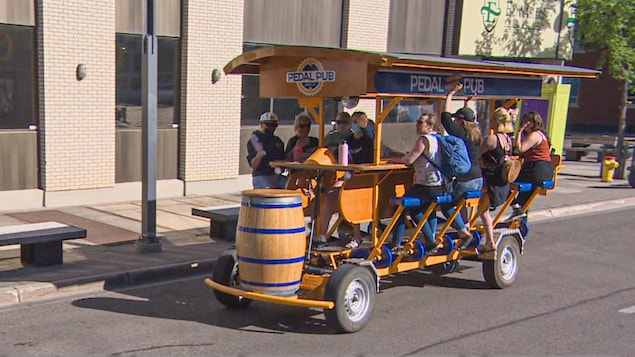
x,y
628,310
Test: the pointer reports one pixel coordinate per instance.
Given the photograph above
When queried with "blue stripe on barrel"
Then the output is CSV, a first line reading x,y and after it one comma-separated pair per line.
x,y
271,230
270,261
272,205
270,285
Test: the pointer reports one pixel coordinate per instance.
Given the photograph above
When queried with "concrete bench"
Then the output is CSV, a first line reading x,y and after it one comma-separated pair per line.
x,y
576,146
223,220
40,243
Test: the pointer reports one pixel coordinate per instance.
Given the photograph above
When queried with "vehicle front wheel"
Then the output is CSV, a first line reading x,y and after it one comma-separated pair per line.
x,y
352,288
226,273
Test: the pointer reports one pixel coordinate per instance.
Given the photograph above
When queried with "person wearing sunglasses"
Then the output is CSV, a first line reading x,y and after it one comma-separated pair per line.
x,y
301,145
341,132
427,182
262,148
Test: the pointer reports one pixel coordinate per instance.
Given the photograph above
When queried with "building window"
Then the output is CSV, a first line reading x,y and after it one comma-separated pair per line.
x,y
575,90
409,110
17,83
129,57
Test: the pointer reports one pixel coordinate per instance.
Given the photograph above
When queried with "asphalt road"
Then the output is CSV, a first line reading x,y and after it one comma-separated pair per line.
x,y
575,295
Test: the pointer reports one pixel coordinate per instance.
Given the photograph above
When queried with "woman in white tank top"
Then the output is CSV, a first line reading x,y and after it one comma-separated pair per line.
x,y
426,174
428,181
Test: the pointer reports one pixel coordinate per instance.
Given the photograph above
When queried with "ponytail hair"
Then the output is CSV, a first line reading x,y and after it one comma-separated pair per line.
x,y
473,132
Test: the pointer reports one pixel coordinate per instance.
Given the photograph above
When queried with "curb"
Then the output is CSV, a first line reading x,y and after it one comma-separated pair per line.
x,y
567,211
31,292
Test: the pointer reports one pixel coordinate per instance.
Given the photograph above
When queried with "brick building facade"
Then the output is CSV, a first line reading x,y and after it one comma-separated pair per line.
x,y
70,141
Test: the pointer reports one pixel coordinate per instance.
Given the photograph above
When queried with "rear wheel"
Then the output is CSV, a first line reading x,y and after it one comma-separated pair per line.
x,y
352,288
226,273
501,272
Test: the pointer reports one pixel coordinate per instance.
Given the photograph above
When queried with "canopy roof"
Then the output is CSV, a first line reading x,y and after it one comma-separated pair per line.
x,y
249,62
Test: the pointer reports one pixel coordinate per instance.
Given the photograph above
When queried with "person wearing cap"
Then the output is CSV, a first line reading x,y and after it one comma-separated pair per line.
x,y
262,148
493,148
465,127
301,145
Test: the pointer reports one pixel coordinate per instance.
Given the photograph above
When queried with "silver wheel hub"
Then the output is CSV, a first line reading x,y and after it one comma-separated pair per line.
x,y
508,263
356,301
233,280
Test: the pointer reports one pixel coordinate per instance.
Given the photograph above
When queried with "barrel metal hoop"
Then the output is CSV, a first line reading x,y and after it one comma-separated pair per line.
x,y
270,285
271,230
270,261
271,205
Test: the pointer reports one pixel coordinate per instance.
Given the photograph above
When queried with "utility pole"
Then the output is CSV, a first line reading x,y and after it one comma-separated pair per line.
x,y
149,241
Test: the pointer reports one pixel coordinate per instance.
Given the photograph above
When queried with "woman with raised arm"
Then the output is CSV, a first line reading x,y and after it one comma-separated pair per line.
x,y
465,127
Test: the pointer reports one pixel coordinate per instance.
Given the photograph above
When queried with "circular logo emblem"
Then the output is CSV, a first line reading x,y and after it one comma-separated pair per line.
x,y
310,76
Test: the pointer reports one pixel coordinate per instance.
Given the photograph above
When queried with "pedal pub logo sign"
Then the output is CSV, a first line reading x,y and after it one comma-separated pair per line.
x,y
490,11
310,76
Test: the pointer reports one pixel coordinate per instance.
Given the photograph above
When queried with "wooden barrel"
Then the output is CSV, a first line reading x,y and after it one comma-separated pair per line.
x,y
271,241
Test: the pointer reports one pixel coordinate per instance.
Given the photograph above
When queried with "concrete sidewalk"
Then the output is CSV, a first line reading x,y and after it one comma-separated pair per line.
x,y
188,249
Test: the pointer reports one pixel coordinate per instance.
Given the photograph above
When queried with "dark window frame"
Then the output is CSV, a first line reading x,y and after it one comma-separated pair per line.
x,y
168,90
18,106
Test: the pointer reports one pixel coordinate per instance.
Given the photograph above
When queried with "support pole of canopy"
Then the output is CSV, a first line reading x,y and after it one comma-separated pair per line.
x,y
381,114
310,104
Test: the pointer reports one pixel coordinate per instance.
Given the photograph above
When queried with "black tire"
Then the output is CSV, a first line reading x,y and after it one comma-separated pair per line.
x,y
631,176
444,268
226,273
501,272
454,266
352,288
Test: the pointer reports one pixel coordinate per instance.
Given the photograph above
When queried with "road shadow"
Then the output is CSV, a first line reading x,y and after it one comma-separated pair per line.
x,y
192,300
577,177
425,276
613,186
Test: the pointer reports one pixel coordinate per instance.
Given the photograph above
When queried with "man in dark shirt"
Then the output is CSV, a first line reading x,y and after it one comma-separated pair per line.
x,y
262,148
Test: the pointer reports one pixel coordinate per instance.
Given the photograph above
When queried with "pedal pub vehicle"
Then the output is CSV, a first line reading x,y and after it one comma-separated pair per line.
x,y
274,260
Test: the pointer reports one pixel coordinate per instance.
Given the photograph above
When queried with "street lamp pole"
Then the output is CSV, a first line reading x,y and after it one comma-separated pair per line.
x,y
149,241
